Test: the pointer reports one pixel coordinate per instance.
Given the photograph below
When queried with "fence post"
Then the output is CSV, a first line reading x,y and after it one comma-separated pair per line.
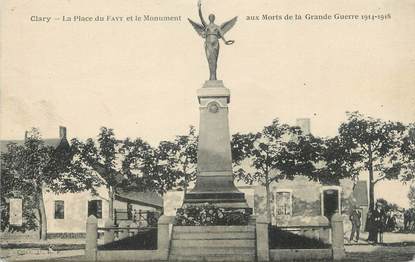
x,y
91,238
262,244
337,237
108,234
163,236
123,233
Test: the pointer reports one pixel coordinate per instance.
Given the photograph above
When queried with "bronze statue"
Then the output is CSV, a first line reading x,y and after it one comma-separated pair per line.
x,y
212,32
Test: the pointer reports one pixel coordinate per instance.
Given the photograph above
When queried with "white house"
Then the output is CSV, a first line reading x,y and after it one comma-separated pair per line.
x,y
67,213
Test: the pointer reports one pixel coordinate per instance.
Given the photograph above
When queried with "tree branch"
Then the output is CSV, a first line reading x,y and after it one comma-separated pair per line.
x,y
379,179
377,145
365,149
272,179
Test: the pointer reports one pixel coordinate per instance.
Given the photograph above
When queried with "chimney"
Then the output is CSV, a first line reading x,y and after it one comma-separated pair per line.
x,y
304,124
62,132
26,133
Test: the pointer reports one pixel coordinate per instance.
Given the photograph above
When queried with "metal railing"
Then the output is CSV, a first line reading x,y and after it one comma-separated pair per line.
x,y
141,218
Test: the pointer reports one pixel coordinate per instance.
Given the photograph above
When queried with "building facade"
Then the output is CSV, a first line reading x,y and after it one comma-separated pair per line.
x,y
301,201
67,212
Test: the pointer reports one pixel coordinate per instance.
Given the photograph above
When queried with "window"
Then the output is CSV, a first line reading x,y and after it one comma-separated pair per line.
x,y
283,203
330,200
15,211
59,209
95,208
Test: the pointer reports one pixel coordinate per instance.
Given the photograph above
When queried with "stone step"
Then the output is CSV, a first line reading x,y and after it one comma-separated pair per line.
x,y
248,243
204,251
208,229
216,258
214,235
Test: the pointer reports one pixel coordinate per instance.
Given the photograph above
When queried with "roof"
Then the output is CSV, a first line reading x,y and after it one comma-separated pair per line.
x,y
148,198
360,193
54,142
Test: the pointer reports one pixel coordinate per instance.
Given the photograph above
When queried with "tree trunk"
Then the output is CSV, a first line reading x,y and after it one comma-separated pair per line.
x,y
371,184
185,188
42,215
111,194
185,180
267,184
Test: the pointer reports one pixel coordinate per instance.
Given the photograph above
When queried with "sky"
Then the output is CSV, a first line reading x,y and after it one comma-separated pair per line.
x,y
140,78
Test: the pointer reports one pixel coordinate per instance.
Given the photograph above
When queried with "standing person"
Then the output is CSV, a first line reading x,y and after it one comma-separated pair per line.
x,y
406,219
382,228
392,222
371,227
129,211
354,217
135,216
411,222
379,218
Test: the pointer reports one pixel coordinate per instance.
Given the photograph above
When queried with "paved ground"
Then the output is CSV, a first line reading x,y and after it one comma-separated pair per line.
x,y
379,253
397,247
391,238
75,255
23,250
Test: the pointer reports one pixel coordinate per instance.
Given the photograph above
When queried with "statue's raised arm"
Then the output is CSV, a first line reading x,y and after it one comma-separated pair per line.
x,y
199,6
200,28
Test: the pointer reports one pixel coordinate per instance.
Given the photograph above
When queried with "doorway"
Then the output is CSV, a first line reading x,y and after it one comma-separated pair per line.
x,y
330,203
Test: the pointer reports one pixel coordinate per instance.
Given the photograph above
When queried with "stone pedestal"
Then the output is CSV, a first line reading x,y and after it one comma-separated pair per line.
x,y
337,237
214,182
91,245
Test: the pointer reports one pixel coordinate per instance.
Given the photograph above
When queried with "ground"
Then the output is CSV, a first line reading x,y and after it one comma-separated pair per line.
x,y
397,247
21,250
379,253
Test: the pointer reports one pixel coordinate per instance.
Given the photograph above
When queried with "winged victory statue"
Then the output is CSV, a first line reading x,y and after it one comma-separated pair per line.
x,y
212,33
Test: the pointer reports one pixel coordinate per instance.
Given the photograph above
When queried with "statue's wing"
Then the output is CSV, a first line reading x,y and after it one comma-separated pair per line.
x,y
225,27
200,29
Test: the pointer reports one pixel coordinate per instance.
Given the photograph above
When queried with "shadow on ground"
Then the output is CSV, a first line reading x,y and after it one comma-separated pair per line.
x,y
145,240
280,239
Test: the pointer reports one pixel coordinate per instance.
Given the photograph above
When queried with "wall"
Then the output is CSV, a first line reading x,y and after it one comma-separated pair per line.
x,y
75,209
172,200
129,255
306,201
249,197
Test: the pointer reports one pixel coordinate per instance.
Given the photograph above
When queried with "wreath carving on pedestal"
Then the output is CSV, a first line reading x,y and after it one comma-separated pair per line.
x,y
210,215
213,107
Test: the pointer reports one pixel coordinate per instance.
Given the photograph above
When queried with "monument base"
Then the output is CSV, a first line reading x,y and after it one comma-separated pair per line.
x,y
217,190
220,199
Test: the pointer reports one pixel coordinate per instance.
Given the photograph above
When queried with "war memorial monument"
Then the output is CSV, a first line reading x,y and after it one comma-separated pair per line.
x,y
213,223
